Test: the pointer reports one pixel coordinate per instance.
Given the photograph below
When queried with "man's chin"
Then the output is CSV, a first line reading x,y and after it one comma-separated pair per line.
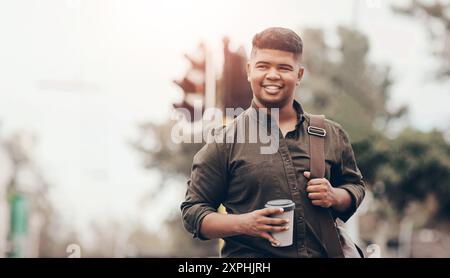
x,y
272,102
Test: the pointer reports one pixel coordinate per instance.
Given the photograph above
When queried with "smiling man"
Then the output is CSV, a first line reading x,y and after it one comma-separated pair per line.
x,y
243,179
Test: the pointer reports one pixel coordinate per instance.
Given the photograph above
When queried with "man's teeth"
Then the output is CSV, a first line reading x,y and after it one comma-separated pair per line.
x,y
272,89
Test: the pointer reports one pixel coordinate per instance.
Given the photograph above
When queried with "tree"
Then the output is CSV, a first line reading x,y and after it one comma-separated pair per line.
x,y
410,167
409,178
436,16
175,161
30,209
342,84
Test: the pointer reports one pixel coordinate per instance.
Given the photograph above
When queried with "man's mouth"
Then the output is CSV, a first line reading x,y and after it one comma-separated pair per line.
x,y
272,88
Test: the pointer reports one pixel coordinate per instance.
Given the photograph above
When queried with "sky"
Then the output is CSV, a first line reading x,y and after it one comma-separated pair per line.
x,y
82,75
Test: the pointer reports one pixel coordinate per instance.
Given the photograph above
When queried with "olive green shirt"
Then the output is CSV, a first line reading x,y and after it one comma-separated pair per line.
x,y
243,179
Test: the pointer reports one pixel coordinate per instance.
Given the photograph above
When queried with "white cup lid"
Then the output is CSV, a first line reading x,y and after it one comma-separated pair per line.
x,y
286,204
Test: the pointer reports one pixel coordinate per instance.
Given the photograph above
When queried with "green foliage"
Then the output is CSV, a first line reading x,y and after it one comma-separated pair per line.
x,y
159,150
408,168
340,82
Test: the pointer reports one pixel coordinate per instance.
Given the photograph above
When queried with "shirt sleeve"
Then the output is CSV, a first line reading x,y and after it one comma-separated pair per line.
x,y
206,188
350,177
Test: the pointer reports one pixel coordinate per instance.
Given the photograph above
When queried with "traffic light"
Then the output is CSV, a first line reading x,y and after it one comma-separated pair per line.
x,y
193,83
199,83
236,90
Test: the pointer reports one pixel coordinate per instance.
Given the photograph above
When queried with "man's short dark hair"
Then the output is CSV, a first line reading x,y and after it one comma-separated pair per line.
x,y
278,38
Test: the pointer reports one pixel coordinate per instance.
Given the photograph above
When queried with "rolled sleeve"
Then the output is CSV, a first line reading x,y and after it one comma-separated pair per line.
x,y
350,178
206,188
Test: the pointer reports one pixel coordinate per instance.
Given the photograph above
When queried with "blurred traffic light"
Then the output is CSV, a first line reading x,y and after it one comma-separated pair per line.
x,y
200,85
236,90
193,83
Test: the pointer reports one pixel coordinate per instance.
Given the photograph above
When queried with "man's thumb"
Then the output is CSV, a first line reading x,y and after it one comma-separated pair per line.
x,y
307,174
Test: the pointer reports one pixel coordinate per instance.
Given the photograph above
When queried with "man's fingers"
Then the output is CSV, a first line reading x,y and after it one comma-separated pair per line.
x,y
315,188
270,238
317,181
307,174
270,211
318,203
274,229
275,221
315,196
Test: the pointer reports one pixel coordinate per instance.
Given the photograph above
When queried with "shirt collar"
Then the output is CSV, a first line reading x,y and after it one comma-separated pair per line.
x,y
297,106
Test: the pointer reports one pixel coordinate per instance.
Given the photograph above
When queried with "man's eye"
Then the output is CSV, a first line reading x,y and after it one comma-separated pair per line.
x,y
285,69
261,67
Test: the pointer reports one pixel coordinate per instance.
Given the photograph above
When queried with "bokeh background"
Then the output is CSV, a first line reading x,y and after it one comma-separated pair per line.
x,y
87,98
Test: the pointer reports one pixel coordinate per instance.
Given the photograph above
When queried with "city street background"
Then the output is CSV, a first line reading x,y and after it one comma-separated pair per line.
x,y
87,98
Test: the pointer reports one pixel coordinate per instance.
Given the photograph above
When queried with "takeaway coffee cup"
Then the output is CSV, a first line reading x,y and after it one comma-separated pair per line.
x,y
285,237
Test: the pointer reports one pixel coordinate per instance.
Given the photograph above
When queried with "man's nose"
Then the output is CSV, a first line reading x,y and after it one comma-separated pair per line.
x,y
272,74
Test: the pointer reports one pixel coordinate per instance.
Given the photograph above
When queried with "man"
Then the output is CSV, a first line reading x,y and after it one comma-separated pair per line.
x,y
243,179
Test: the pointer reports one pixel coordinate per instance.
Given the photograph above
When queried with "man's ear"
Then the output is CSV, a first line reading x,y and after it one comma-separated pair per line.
x,y
301,70
247,69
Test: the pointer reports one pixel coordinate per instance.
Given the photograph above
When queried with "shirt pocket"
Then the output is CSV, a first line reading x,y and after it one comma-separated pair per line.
x,y
252,183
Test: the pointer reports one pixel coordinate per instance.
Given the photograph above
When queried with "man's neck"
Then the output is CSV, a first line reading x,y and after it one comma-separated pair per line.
x,y
287,112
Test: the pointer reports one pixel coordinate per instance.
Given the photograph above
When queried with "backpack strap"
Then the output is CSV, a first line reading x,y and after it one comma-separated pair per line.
x,y
317,133
328,230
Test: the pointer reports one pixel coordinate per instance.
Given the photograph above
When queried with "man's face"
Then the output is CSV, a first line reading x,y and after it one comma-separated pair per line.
x,y
273,75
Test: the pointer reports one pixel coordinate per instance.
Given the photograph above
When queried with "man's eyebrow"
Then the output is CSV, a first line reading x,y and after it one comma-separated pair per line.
x,y
267,63
286,65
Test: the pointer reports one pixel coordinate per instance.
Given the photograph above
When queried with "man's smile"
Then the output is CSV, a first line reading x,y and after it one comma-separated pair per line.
x,y
272,88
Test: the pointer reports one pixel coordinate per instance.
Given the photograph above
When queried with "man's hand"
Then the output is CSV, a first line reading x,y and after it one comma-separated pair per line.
x,y
320,192
258,223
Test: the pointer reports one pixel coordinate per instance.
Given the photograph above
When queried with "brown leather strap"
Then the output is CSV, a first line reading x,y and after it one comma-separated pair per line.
x,y
316,146
329,234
